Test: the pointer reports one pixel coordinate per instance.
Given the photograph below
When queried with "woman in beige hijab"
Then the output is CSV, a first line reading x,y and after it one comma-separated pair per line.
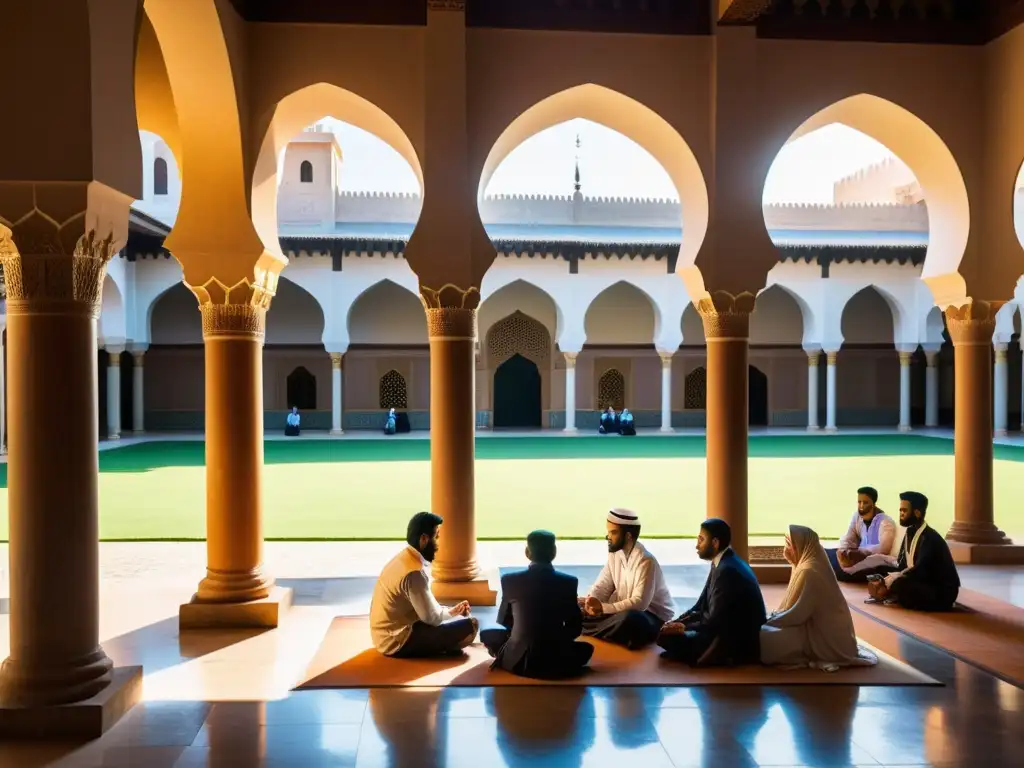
x,y
813,626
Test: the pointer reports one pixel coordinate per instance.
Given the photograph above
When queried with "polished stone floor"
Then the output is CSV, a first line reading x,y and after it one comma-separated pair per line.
x,y
224,698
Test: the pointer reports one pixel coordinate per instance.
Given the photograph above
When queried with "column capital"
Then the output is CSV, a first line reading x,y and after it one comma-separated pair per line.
x,y
905,359
814,358
336,359
831,356
931,358
973,322
726,317
114,357
570,359
138,357
666,358
1001,350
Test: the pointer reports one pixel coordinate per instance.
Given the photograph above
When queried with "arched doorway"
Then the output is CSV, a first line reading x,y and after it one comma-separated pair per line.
x,y
517,389
757,398
301,387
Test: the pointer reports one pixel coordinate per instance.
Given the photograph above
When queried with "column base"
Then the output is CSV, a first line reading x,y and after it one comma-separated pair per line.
x,y
931,426
813,428
138,432
830,430
337,431
667,430
85,720
905,428
772,573
1001,432
477,591
986,554
571,431
252,614
116,436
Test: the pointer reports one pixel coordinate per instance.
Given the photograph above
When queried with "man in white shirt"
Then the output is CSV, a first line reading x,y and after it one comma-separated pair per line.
x,y
630,599
292,421
868,543
405,619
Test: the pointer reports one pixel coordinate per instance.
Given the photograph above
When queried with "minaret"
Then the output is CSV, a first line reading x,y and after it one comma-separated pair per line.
x,y
577,196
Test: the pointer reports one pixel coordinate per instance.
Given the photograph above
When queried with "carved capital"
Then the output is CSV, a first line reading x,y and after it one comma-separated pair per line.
x,y
1000,350
451,323
336,358
831,358
813,358
233,321
905,358
726,317
666,359
450,295
446,5
113,359
931,359
972,323
138,358
55,242
570,359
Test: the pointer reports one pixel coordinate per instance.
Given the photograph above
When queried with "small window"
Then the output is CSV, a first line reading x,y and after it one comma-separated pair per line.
x,y
611,390
697,389
159,176
306,172
301,385
393,392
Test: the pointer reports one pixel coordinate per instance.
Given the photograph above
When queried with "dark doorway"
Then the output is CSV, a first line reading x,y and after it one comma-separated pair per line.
x,y
757,409
301,385
517,394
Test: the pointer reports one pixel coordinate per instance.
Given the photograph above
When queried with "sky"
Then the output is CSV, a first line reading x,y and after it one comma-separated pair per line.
x,y
612,165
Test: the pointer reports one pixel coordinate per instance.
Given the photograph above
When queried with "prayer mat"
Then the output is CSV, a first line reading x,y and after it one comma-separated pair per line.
x,y
980,630
347,660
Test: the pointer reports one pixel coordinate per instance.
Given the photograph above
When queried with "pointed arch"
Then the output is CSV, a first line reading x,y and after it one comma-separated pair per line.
x,y
113,321
632,119
518,334
387,313
869,298
300,385
617,315
779,317
295,317
518,293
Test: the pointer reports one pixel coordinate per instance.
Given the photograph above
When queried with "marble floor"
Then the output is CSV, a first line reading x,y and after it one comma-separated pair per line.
x,y
224,697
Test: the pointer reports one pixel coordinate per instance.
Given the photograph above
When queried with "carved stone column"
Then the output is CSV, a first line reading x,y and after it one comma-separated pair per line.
x,y
1001,390
452,327
666,390
570,391
727,330
905,360
236,591
813,358
336,392
114,393
971,327
54,275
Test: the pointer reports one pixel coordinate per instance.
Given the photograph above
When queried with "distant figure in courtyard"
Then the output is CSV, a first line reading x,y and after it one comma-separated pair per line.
x,y
724,626
405,619
630,599
626,423
926,578
609,422
389,423
866,547
292,421
812,626
539,618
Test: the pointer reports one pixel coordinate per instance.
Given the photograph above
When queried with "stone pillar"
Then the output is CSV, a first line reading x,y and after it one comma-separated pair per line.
x,y
336,384
114,393
666,391
53,302
830,390
138,392
971,327
931,401
3,389
452,334
570,391
1001,393
905,359
726,322
813,358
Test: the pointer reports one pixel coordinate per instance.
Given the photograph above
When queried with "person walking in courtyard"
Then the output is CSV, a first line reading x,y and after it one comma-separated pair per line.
x,y
866,547
539,618
926,578
630,599
723,628
812,626
405,619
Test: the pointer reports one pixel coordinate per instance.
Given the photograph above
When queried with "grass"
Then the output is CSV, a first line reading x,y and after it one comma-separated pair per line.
x,y
366,489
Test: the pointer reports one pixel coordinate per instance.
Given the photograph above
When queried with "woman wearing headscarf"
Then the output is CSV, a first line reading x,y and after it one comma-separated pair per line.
x,y
813,626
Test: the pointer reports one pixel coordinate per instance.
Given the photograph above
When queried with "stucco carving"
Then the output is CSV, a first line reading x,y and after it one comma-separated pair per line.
x,y
726,316
240,320
235,310
696,393
611,390
972,323
393,391
518,334
450,295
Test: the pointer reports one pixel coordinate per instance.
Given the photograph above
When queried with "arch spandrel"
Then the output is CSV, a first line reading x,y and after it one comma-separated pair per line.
x,y
520,334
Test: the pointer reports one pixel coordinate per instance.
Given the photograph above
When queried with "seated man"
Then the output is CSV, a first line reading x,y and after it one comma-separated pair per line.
x,y
291,426
724,627
630,599
626,423
867,545
540,618
926,578
405,619
389,423
609,422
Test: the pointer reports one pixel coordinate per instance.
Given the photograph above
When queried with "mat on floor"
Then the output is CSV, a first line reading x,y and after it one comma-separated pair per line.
x,y
981,630
346,660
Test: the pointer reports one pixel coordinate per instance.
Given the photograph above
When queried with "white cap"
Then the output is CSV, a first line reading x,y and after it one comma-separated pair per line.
x,y
621,516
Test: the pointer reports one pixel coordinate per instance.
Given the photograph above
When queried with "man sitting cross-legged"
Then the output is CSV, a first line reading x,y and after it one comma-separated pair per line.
x,y
539,617
405,619
724,626
867,545
630,599
926,578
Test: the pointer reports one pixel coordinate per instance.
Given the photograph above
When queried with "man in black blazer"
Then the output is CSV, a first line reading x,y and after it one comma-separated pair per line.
x,y
540,618
926,578
724,627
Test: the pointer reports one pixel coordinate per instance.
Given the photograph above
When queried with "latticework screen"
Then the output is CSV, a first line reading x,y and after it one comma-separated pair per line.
x,y
697,389
393,392
611,390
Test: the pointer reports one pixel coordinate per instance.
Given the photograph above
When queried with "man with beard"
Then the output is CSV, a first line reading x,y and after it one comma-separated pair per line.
x,y
926,578
724,626
867,546
405,619
630,599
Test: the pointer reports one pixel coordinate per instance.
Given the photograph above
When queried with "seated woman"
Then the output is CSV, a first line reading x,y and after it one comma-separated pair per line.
x,y
291,426
626,423
609,422
813,626
389,423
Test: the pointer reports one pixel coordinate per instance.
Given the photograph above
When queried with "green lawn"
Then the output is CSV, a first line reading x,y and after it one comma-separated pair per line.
x,y
366,489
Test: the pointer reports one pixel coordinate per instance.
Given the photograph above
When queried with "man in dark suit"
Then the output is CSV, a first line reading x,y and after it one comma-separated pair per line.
x,y
540,618
926,578
724,626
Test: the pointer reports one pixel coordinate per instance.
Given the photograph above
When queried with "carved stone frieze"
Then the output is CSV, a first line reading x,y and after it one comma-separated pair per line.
x,y
726,316
973,322
446,5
